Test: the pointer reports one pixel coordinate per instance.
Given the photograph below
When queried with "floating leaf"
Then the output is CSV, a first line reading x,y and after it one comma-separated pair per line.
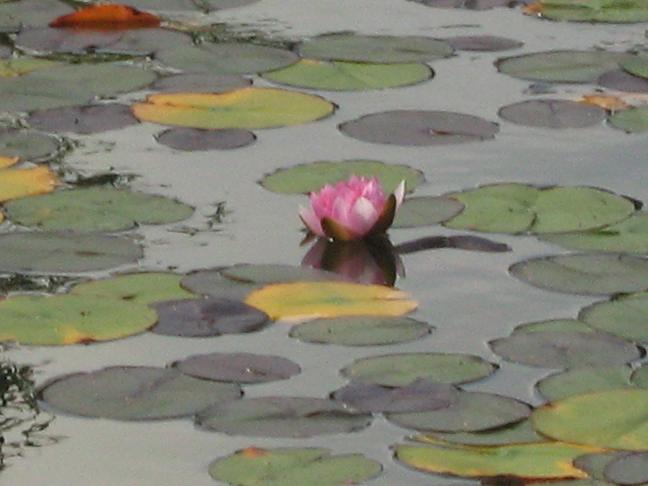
x,y
83,120
299,300
301,179
594,464
633,120
553,325
290,417
27,144
135,393
403,369
515,434
212,283
142,288
614,419
585,273
13,67
607,102
629,235
465,4
426,211
96,209
194,139
238,367
564,66
550,460
8,161
517,208
227,58
621,80
553,114
205,6
361,330
590,11
374,48
242,108
349,76
628,469
583,380
107,16
626,317
70,319
19,183
293,467
469,412
64,253
419,128
29,13
483,43
200,83
548,349
275,273
207,317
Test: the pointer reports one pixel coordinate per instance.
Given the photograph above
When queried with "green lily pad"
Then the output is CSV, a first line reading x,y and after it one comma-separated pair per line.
x,y
637,65
227,58
289,417
564,66
275,273
553,325
306,178
607,11
469,412
632,120
349,76
293,467
583,380
594,464
135,393
27,144
551,113
517,433
30,13
626,317
585,274
628,469
12,67
195,139
211,282
613,419
426,211
564,349
70,319
64,253
403,369
518,208
628,236
374,48
142,288
95,209
361,330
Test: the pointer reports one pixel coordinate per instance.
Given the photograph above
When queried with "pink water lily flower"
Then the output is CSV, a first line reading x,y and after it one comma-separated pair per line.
x,y
352,209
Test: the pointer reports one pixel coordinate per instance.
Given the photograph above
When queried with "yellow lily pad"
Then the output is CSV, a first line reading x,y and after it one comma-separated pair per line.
x,y
300,300
241,108
17,183
8,161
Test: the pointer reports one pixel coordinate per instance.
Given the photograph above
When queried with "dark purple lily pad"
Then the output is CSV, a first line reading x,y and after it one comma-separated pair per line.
x,y
83,120
628,469
194,139
467,4
419,128
289,417
238,367
418,396
207,317
594,464
135,393
469,412
553,114
483,43
557,349
211,282
275,273
623,81
200,83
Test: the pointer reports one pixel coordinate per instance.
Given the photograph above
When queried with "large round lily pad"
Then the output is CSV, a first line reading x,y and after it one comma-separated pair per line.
x,y
18,66
374,48
592,11
200,83
553,325
70,319
83,120
205,6
553,114
64,253
349,76
194,139
565,66
628,469
629,235
290,417
517,208
583,380
517,433
361,330
586,273
293,467
211,282
27,144
311,177
238,367
426,211
19,183
469,412
632,120
30,13
242,108
594,464
135,393
419,128
614,419
300,300
626,317
227,58
274,273
565,349
96,209
403,369
621,80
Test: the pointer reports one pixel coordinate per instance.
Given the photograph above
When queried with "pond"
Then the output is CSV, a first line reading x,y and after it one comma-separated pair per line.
x,y
114,374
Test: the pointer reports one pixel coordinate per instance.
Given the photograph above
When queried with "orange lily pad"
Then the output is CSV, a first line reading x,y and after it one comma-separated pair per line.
x,y
107,16
8,161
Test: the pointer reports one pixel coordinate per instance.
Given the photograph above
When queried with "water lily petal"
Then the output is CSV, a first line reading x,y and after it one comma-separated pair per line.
x,y
363,216
311,221
399,193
